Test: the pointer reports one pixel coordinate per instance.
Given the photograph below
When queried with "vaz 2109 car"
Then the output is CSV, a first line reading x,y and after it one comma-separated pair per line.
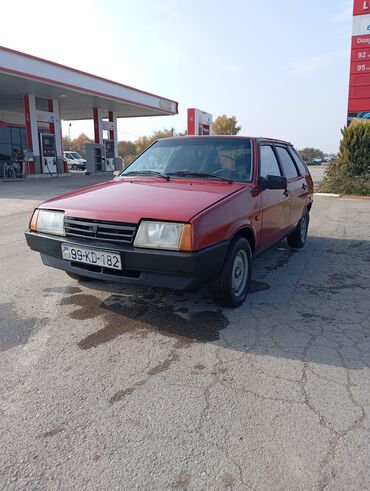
x,y
188,211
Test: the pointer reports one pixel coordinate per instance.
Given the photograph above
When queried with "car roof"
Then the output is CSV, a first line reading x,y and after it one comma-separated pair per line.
x,y
259,139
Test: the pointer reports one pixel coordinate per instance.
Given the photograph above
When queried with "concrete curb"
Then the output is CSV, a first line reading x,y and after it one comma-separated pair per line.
x,y
329,195
354,196
342,196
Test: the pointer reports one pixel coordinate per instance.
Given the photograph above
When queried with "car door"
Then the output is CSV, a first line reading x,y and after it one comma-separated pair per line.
x,y
275,219
297,185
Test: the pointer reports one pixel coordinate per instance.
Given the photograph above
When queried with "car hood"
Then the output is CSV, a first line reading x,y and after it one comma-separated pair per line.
x,y
129,201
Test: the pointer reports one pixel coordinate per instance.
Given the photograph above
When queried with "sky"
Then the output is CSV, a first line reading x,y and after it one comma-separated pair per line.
x,y
280,66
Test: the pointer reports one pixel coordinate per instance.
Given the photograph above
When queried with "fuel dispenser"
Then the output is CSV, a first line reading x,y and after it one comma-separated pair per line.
x,y
109,155
199,122
48,153
95,154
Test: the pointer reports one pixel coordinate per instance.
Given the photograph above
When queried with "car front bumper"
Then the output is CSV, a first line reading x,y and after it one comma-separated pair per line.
x,y
146,267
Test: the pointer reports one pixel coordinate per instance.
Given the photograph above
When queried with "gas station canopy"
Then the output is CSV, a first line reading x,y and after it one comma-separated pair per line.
x,y
36,94
78,92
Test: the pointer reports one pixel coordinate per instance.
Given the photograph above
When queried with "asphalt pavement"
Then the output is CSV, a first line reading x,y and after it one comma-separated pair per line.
x,y
111,387
317,172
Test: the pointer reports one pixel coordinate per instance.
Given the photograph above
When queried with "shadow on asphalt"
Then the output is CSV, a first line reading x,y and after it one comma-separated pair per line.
x,y
307,305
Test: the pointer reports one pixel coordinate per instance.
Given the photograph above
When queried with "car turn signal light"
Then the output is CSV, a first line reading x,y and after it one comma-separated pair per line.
x,y
33,222
186,243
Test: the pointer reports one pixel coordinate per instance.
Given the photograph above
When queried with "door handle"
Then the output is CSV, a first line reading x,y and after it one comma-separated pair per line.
x,y
304,187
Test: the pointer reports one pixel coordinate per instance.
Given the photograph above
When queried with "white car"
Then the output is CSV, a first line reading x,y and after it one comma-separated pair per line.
x,y
74,160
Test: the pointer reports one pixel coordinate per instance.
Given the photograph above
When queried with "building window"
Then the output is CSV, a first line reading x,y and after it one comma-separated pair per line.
x,y
11,139
5,151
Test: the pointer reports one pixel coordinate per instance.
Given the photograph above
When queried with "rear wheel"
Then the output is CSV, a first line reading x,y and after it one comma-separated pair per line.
x,y
231,287
79,277
298,237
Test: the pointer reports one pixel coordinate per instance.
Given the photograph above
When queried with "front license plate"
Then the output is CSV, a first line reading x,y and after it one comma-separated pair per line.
x,y
96,257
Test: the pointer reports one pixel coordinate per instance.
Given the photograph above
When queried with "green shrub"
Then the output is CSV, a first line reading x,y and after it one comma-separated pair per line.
x,y
350,173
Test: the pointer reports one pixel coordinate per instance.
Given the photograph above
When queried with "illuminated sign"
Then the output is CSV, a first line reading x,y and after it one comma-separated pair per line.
x,y
359,84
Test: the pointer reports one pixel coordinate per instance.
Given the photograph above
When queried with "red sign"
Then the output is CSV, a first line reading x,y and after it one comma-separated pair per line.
x,y
359,84
362,66
360,41
359,79
360,55
361,7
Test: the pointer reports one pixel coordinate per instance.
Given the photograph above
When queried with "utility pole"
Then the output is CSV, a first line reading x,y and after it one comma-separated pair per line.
x,y
69,135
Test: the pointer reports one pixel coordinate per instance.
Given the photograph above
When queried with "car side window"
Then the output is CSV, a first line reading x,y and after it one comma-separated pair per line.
x,y
286,161
269,163
298,161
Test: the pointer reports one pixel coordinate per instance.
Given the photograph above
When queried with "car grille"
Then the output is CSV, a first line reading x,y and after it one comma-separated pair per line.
x,y
121,233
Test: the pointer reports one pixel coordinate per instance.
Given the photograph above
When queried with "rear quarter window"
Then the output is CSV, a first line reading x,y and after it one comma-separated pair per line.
x,y
286,161
298,161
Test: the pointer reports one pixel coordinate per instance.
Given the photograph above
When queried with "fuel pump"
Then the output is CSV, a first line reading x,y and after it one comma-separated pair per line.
x,y
48,153
199,122
109,155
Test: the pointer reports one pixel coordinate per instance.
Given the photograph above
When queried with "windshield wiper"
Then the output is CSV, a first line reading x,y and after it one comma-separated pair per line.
x,y
146,173
185,173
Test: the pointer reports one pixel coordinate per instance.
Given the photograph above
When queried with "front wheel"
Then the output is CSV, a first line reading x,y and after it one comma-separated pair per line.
x,y
231,287
298,237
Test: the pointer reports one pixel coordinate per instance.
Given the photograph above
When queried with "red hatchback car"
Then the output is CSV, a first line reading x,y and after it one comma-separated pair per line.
x,y
187,211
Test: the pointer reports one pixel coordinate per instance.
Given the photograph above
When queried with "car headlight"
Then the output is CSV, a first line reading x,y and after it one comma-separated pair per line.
x,y
160,235
48,222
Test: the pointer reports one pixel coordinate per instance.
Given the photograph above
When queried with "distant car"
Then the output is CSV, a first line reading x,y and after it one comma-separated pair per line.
x,y
75,161
314,162
188,211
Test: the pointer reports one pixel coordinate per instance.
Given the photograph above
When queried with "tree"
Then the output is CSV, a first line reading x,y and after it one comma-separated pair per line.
x,y
308,154
129,150
79,143
354,149
126,150
225,126
66,142
350,172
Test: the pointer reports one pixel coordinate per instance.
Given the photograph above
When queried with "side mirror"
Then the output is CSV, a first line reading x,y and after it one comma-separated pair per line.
x,y
275,182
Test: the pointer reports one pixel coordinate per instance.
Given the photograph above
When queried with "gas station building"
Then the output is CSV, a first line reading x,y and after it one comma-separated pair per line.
x,y
36,94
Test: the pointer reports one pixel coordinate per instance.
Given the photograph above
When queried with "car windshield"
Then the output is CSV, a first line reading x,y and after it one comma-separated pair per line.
x,y
199,158
76,155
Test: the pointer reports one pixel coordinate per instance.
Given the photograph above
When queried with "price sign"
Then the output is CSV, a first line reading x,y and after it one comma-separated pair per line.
x,y
359,87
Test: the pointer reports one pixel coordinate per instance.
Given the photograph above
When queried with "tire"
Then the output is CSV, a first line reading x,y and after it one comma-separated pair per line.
x,y
298,237
79,277
74,167
231,287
